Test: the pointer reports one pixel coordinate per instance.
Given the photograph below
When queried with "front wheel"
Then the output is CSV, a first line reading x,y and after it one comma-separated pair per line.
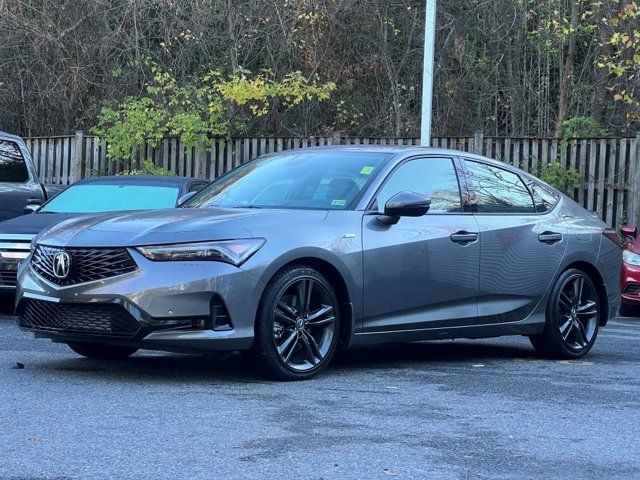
x,y
573,318
101,351
297,325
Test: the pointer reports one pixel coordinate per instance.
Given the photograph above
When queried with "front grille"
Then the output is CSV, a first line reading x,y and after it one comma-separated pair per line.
x,y
107,320
8,278
87,264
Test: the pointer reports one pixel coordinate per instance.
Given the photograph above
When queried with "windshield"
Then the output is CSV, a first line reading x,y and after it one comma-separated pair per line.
x,y
91,198
313,180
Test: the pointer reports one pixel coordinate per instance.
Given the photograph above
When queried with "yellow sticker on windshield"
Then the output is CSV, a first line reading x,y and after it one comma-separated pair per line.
x,y
366,171
339,203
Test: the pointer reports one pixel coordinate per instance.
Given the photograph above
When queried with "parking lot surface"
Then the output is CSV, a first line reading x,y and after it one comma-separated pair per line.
x,y
461,409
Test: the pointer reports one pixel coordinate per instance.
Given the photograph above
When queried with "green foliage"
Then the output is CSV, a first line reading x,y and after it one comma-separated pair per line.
x,y
622,56
582,127
565,179
148,168
212,105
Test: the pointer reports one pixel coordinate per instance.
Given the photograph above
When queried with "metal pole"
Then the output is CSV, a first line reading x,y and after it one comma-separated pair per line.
x,y
428,71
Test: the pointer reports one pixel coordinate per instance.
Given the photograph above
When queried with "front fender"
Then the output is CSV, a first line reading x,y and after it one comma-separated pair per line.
x,y
347,265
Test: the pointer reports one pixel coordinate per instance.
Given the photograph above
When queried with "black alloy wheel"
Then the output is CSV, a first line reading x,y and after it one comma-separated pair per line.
x,y
298,324
573,317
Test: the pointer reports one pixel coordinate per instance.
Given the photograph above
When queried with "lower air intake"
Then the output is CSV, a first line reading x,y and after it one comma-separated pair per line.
x,y
107,320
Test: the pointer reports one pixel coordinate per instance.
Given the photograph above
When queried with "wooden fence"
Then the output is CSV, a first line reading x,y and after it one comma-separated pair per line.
x,y
609,167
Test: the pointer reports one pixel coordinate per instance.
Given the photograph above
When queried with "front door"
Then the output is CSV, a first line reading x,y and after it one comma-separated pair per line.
x,y
17,188
422,272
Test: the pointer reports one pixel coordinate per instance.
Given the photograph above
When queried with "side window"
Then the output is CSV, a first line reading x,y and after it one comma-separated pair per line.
x,y
434,178
544,198
497,191
12,166
197,186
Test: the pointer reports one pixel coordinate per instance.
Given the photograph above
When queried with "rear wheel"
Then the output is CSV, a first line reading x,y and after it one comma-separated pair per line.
x,y
297,325
101,351
573,318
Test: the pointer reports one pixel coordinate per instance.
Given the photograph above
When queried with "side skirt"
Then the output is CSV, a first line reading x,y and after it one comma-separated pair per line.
x,y
530,326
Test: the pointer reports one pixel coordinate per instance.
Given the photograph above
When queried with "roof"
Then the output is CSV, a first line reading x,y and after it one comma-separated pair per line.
x,y
398,150
395,149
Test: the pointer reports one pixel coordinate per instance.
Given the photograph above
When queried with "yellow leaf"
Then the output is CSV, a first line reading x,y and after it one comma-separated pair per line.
x,y
617,97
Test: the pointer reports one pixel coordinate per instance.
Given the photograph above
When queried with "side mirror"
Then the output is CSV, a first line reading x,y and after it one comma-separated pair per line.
x,y
404,204
184,198
31,208
629,231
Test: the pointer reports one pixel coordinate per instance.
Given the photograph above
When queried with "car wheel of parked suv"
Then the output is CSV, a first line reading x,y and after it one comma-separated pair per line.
x,y
101,351
573,318
297,325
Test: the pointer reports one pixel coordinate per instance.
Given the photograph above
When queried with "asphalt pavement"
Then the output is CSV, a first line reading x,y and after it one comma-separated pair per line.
x,y
486,409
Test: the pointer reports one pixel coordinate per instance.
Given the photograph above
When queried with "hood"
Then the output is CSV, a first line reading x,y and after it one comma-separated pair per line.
x,y
177,225
32,223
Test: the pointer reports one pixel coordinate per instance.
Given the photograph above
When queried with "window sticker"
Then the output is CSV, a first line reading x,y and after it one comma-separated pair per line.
x,y
366,170
339,203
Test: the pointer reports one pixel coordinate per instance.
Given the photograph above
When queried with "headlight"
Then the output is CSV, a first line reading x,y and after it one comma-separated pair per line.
x,y
235,252
630,258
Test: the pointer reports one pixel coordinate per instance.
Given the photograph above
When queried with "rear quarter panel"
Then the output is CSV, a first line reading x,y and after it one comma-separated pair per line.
x,y
587,244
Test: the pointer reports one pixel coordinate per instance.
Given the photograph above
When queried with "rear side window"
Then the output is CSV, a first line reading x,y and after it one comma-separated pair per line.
x,y
12,166
435,178
497,191
544,198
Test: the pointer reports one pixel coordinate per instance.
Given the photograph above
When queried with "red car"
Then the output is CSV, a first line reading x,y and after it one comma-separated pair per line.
x,y
630,279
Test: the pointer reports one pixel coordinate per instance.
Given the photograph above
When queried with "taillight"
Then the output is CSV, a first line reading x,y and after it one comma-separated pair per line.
x,y
613,236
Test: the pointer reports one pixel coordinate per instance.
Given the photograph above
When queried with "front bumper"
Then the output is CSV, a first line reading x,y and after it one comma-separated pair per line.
x,y
630,284
175,305
13,250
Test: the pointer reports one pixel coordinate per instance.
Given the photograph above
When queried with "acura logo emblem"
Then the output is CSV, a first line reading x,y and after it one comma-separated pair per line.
x,y
61,265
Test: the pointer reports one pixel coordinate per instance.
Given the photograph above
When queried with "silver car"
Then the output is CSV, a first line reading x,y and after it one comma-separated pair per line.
x,y
299,254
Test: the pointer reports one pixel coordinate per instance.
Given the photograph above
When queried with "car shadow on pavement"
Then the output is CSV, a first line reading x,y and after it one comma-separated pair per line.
x,y
239,368
404,354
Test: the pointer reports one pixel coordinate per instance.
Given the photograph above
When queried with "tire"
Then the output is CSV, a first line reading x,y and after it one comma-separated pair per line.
x,y
294,339
100,351
572,318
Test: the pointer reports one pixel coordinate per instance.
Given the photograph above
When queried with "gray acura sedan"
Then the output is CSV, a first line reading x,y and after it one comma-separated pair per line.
x,y
298,254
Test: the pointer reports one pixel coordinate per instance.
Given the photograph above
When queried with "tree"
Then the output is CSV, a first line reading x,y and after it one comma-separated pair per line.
x,y
212,105
510,67
622,57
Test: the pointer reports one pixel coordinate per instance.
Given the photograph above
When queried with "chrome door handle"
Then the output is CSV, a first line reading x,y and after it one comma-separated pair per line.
x,y
550,237
464,237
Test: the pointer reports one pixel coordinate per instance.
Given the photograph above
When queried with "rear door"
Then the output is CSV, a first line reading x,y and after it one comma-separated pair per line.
x,y
520,242
422,272
18,185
